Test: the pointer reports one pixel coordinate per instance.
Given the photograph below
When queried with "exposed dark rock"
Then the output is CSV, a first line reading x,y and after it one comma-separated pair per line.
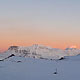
x,y
41,58
2,60
51,59
55,72
61,58
13,48
19,61
11,55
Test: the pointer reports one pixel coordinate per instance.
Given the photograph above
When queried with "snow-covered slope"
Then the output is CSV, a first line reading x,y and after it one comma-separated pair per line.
x,y
39,51
72,51
20,68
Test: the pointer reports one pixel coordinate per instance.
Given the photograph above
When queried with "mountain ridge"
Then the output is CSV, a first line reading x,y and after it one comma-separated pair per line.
x,y
40,52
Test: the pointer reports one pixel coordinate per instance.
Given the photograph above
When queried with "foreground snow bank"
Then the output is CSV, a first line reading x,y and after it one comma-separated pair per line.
x,y
20,68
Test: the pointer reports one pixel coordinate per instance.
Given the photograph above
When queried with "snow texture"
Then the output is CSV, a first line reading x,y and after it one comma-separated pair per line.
x,y
20,68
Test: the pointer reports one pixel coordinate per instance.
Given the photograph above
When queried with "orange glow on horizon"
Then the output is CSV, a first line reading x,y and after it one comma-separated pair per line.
x,y
6,46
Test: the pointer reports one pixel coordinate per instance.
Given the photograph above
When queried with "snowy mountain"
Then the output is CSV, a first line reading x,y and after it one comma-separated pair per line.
x,y
19,63
72,51
39,51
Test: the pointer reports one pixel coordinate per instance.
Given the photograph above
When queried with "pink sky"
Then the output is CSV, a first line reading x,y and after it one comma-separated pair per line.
x,y
54,23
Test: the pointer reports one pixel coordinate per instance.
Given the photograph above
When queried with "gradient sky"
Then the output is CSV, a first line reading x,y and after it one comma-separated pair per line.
x,y
55,23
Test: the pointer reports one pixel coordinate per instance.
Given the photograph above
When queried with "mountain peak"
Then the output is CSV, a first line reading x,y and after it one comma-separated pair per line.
x,y
13,47
41,46
71,48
